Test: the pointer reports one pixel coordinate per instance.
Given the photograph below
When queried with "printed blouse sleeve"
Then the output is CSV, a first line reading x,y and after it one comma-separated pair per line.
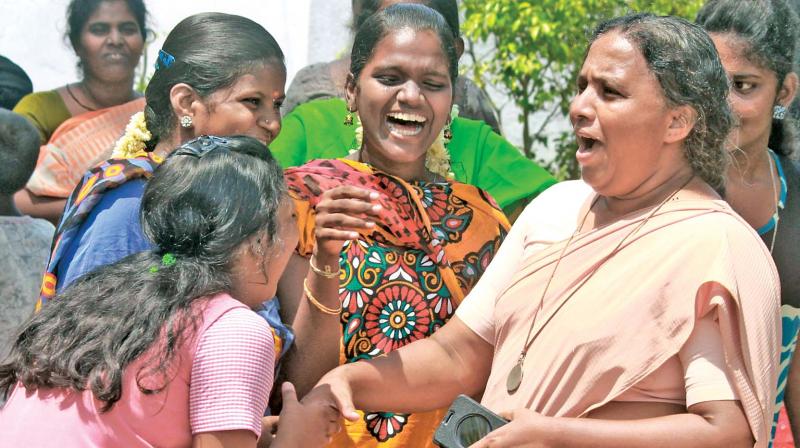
x,y
232,374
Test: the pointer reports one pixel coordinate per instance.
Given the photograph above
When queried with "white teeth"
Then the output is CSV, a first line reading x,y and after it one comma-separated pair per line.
x,y
404,131
408,117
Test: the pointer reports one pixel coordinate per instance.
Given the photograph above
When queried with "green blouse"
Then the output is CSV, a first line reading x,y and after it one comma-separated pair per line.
x,y
45,110
478,156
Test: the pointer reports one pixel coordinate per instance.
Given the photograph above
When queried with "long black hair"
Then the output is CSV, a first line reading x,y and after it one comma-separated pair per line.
x,y
211,51
768,31
199,211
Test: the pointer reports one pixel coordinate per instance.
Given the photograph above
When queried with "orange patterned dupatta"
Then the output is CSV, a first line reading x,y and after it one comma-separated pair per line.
x,y
78,144
403,280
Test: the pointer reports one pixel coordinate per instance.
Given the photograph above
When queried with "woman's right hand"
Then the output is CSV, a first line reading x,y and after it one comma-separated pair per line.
x,y
340,214
334,391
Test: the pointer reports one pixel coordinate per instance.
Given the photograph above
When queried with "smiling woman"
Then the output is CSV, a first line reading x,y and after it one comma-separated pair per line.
x,y
78,122
217,74
388,247
632,308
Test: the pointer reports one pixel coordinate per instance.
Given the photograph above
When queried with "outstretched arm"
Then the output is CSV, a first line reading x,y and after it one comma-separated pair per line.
x,y
424,375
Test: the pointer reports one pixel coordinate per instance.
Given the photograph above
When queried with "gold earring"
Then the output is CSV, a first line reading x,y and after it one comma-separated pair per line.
x,y
348,118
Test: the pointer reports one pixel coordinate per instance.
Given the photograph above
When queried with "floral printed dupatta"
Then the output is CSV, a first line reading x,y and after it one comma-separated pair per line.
x,y
402,280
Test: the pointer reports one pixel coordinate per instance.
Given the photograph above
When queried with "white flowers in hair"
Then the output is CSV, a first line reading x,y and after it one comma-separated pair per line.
x,y
437,160
132,144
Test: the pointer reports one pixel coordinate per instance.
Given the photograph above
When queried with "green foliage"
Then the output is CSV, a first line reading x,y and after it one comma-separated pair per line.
x,y
535,51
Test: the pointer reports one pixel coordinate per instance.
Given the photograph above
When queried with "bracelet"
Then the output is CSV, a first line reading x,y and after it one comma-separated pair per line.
x,y
327,273
315,302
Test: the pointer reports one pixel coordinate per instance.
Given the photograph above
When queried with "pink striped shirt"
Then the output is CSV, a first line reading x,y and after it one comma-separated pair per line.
x,y
223,385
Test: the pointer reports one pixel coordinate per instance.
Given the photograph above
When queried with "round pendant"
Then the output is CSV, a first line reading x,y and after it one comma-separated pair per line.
x,y
514,378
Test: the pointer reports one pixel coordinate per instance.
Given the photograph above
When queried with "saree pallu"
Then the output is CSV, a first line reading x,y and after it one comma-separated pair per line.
x,y
637,310
403,280
95,183
78,144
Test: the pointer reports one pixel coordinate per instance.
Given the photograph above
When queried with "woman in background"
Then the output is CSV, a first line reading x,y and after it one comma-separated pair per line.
x,y
756,40
79,122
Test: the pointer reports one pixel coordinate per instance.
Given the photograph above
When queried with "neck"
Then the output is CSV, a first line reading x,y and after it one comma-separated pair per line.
x,y
750,165
409,171
7,207
106,94
165,146
611,208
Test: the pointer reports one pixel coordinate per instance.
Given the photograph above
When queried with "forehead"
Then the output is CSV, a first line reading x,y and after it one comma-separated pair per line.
x,y
734,52
407,46
112,10
613,55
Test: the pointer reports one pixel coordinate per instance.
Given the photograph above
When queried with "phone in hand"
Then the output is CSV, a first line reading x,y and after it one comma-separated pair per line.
x,y
465,423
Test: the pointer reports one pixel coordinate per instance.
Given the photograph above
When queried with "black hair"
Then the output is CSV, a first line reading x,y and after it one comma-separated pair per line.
x,y
79,11
203,211
685,62
14,83
768,31
211,51
19,150
396,17
363,9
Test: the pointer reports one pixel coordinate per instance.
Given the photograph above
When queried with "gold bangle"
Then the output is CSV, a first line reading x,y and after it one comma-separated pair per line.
x,y
315,302
327,273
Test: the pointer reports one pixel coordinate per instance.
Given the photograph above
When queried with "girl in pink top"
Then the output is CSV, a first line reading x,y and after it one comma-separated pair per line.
x,y
160,349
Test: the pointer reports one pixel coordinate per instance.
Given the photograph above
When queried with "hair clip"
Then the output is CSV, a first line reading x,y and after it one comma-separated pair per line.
x,y
201,146
166,261
164,60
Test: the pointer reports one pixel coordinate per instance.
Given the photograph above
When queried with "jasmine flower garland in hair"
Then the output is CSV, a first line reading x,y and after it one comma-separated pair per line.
x,y
437,160
132,144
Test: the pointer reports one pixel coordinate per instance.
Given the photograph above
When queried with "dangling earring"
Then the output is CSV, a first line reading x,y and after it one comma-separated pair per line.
x,y
447,133
779,112
186,121
348,119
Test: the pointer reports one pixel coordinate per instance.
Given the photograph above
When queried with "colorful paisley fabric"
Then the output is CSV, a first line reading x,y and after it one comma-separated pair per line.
x,y
404,280
95,183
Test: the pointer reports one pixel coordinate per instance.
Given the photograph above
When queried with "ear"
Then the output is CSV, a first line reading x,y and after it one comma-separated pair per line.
x,y
788,90
682,121
184,100
459,47
350,90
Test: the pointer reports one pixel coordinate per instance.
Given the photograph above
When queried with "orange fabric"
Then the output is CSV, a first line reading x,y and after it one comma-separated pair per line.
x,y
76,145
403,280
638,310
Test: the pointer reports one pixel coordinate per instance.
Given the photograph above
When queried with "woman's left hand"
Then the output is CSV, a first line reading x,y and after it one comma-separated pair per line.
x,y
523,430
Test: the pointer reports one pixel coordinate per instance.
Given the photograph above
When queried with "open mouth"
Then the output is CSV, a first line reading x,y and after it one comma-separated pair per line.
x,y
586,143
405,124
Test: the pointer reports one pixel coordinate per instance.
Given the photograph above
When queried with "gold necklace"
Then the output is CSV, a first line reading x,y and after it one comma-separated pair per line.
x,y
514,378
777,201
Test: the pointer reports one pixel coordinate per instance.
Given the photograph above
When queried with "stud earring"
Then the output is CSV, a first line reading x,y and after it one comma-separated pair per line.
x,y
186,121
348,118
779,112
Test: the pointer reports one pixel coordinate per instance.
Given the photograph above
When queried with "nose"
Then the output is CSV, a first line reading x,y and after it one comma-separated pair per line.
x,y
581,109
410,93
114,36
272,124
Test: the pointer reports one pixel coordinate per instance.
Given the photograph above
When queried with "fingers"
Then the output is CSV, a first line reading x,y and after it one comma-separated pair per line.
x,y
348,191
344,403
288,393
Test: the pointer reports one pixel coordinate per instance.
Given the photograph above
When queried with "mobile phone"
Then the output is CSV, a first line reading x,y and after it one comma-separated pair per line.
x,y
465,423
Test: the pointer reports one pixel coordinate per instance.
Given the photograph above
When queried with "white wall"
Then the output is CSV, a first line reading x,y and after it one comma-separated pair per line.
x,y
31,31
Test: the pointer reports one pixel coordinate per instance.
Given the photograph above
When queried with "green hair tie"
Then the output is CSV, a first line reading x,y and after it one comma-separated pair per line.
x,y
167,260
